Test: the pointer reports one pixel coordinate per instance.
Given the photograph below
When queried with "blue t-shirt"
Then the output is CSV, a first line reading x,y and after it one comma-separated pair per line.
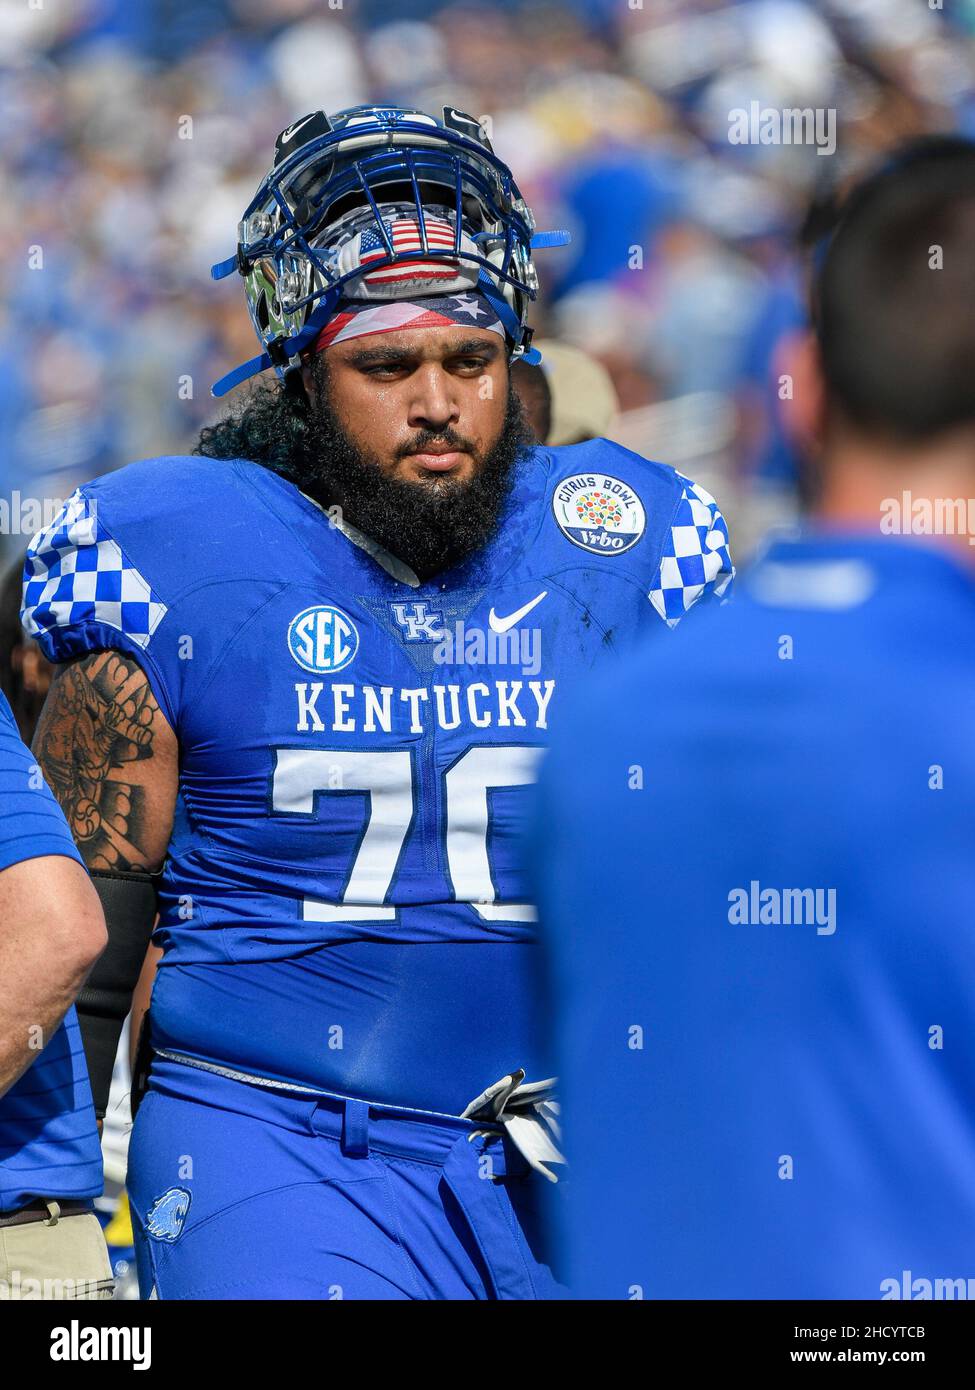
x,y
48,1137
343,905
756,878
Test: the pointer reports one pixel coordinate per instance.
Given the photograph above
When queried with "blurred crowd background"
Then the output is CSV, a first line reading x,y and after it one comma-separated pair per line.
x,y
613,114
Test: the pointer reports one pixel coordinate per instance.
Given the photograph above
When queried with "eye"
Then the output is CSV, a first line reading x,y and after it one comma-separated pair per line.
x,y
384,369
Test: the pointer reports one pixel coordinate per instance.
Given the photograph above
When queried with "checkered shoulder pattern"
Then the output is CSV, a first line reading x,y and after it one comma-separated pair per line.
x,y
696,560
76,574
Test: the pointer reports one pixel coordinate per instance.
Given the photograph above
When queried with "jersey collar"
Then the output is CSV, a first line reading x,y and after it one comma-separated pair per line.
x,y
393,566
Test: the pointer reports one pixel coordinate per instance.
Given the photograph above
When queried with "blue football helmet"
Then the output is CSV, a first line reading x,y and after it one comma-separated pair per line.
x,y
372,187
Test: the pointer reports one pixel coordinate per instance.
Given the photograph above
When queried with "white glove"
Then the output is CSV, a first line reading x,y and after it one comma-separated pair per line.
x,y
529,1115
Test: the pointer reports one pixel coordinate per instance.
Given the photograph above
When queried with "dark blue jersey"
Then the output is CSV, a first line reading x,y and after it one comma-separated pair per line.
x,y
48,1139
759,922
356,745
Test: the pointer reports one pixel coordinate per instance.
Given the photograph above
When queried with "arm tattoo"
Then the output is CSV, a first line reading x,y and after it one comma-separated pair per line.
x,y
97,723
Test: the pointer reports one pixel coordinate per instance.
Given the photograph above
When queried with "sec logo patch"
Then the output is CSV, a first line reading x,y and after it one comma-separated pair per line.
x,y
323,639
599,513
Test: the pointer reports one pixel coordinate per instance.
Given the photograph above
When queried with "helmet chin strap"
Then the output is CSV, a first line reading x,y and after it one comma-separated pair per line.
x,y
509,319
287,348
246,370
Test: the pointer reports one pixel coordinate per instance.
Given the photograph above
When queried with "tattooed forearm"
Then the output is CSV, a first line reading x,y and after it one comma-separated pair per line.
x,y
99,726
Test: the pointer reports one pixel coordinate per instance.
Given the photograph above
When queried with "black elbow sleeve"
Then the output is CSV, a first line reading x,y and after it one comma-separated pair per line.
x,y
129,904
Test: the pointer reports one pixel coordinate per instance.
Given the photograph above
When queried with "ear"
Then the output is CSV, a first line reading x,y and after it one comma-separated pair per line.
x,y
299,384
802,392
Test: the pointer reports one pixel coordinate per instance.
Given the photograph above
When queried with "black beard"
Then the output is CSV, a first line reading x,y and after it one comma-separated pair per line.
x,y
431,524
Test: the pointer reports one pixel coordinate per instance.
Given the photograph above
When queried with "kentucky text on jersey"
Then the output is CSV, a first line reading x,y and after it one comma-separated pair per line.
x,y
349,709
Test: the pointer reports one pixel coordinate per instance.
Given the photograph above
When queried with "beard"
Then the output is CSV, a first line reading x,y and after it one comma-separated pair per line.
x,y
430,524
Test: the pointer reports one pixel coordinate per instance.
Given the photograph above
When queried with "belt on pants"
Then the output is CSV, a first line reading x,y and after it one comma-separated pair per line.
x,y
47,1209
471,1153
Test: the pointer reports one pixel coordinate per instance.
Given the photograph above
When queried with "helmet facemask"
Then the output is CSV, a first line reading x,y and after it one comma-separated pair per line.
x,y
385,207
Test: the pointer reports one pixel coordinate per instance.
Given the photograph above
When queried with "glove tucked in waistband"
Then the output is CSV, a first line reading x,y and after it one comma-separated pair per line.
x,y
529,1114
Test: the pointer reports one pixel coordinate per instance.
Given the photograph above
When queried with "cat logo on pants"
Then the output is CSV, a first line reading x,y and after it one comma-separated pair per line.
x,y
165,1218
599,513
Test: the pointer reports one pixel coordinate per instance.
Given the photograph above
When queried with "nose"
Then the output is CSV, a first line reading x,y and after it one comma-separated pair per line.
x,y
434,404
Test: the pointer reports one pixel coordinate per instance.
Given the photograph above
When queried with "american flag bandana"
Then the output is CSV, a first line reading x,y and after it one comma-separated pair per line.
x,y
356,319
435,269
405,235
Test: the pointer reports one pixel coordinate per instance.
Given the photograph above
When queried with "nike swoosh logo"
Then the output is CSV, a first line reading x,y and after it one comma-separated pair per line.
x,y
292,130
502,624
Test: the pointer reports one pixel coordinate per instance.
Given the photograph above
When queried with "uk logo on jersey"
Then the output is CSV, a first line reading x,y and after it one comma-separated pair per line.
x,y
420,623
323,639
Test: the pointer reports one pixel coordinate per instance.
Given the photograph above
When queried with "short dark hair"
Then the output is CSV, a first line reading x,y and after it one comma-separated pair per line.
x,y
897,334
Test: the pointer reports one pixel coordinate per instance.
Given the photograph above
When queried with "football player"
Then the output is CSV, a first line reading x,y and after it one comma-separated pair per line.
x,y
308,673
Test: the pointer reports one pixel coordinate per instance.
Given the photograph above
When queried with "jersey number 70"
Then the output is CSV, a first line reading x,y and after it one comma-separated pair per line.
x,y
301,775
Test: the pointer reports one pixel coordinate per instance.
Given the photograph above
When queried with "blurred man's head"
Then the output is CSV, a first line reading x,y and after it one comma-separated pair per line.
x,y
894,300
531,383
569,398
883,393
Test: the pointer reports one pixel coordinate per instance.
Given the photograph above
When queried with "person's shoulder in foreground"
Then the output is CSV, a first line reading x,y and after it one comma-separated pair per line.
x,y
48,1140
757,979
31,822
842,589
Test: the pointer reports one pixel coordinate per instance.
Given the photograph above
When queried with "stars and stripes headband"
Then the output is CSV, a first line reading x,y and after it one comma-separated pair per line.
x,y
355,318
388,298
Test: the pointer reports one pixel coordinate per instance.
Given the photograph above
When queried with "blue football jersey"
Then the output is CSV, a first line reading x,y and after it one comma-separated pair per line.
x,y
48,1138
765,1002
356,746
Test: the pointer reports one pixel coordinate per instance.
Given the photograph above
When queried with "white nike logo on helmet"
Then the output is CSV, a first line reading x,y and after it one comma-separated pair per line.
x,y
286,135
502,624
